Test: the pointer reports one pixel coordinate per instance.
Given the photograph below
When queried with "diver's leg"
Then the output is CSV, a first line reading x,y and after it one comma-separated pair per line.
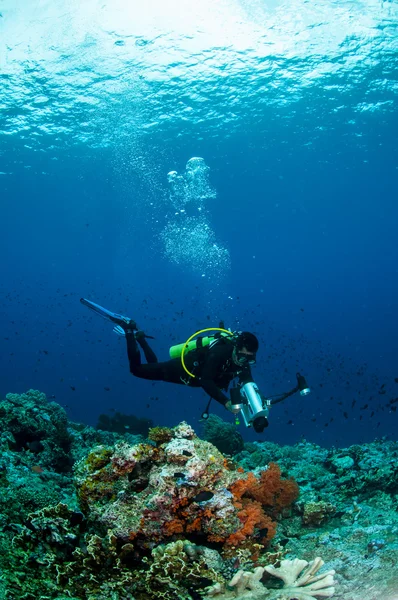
x,y
170,370
150,356
133,351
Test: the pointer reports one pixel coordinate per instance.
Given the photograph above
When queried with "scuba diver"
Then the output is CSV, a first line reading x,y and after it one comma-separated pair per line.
x,y
211,362
214,366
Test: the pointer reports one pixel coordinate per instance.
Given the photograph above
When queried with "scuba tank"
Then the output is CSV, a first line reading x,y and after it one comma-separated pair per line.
x,y
200,342
180,350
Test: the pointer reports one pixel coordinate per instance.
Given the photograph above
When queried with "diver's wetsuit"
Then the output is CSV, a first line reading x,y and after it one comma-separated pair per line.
x,y
214,369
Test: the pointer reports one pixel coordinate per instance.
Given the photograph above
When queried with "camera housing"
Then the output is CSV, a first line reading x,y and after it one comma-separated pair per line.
x,y
254,411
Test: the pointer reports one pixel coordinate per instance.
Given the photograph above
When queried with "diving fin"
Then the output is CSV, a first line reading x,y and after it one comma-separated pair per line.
x,y
107,314
119,320
118,330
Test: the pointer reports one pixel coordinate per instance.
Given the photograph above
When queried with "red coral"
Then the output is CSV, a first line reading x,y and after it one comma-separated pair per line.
x,y
241,486
216,538
196,525
273,492
172,527
252,518
252,497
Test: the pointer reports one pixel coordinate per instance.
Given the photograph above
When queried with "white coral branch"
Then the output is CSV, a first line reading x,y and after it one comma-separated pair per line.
x,y
299,578
313,586
288,571
243,580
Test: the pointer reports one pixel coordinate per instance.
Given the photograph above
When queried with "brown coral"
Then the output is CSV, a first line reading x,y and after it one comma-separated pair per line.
x,y
316,513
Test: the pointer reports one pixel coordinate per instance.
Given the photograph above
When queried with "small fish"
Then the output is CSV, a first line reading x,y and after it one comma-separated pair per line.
x,y
35,446
263,532
76,518
107,389
203,497
72,388
179,475
37,469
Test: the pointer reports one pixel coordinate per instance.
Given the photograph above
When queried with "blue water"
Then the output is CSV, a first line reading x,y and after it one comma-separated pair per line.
x,y
286,227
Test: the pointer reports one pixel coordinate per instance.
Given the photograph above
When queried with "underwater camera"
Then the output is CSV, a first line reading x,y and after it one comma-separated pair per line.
x,y
254,407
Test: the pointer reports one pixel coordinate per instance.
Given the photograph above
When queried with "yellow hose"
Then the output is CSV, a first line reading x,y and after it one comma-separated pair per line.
x,y
192,336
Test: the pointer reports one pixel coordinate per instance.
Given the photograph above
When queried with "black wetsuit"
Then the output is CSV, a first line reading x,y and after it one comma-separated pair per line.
x,y
213,367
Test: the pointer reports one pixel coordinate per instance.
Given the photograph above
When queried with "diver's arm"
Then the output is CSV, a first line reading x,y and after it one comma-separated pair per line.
x,y
210,388
210,370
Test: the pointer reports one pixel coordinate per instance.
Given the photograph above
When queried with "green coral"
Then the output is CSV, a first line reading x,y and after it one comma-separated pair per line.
x,y
222,435
317,513
90,567
95,480
29,423
160,435
173,569
94,567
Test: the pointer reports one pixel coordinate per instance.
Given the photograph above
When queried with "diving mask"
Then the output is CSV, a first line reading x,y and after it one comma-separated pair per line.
x,y
243,358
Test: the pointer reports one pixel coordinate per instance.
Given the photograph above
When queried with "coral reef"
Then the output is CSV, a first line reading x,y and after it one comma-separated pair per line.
x,y
88,514
361,505
61,555
146,494
29,422
38,447
222,434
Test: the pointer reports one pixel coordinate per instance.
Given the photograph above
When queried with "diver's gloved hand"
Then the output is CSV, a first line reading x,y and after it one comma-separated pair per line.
x,y
229,406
